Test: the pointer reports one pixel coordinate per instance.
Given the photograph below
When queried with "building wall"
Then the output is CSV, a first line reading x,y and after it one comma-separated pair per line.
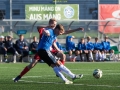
x,y
85,6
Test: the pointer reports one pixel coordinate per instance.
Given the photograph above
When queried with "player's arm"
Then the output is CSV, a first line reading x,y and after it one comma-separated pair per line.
x,y
74,30
56,47
46,32
42,27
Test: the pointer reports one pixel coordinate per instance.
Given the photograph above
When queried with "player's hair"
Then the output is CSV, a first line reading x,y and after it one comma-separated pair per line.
x,y
82,38
20,35
89,37
96,38
52,20
60,27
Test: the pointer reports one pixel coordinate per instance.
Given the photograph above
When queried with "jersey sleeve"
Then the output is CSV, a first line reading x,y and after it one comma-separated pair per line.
x,y
40,30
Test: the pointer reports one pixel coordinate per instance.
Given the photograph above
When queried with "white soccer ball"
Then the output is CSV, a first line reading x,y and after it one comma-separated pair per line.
x,y
97,73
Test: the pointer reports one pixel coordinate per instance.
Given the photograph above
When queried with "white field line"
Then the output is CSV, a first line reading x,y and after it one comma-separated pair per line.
x,y
70,69
89,85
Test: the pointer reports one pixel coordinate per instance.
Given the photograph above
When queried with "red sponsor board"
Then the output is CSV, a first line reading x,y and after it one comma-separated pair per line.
x,y
111,13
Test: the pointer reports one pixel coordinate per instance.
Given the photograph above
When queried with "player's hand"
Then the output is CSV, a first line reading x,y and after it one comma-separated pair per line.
x,y
82,29
73,36
25,47
5,49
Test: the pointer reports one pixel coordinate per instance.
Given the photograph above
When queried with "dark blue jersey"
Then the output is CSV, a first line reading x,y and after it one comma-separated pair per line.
x,y
9,44
47,41
20,44
34,45
1,44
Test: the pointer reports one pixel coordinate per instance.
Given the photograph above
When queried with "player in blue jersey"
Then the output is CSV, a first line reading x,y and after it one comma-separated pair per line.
x,y
45,54
52,24
106,47
70,46
81,49
98,50
90,48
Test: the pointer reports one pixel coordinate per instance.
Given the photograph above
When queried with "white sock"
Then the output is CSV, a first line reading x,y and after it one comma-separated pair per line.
x,y
70,56
91,55
97,56
14,58
66,71
111,55
75,57
57,71
103,56
16,53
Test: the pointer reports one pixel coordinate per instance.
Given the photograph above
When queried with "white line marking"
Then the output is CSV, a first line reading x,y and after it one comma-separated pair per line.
x,y
70,84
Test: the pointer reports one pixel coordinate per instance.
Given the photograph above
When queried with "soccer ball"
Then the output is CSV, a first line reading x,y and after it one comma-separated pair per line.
x,y
97,73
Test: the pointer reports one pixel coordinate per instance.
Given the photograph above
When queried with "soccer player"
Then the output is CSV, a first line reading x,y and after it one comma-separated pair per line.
x,y
70,46
9,45
81,49
89,47
106,47
3,49
45,54
97,50
52,22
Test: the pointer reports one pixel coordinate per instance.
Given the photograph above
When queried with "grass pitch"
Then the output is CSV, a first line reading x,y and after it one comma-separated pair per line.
x,y
42,77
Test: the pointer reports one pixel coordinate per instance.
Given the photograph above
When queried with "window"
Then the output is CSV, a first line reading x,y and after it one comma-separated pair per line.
x,y
60,0
91,10
16,12
2,14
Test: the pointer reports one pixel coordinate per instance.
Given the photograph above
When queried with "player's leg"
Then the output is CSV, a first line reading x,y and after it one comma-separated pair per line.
x,y
91,55
70,55
77,53
62,57
48,58
67,71
28,67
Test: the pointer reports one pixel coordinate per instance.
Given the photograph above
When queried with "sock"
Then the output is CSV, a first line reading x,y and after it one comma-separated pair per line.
x,y
87,55
91,55
57,71
62,61
111,55
99,56
14,58
66,71
70,56
96,56
25,70
16,53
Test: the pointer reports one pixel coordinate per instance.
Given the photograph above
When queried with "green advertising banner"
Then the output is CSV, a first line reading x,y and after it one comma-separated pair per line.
x,y
47,11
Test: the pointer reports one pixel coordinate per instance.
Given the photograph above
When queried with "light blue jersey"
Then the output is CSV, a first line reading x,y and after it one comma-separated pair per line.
x,y
89,46
106,45
97,46
47,41
70,45
81,46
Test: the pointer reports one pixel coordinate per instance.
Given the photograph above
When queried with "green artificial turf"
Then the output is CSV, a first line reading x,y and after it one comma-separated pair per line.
x,y
42,77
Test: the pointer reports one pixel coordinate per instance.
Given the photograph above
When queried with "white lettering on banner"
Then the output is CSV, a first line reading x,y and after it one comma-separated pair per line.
x,y
47,8
35,17
57,9
44,16
48,16
34,8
